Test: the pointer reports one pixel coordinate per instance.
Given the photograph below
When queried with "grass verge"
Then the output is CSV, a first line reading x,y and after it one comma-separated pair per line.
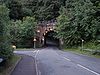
x,y
10,65
78,51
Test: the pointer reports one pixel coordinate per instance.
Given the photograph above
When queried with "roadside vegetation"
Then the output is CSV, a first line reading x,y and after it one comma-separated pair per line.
x,y
6,50
22,32
11,32
83,52
7,68
79,24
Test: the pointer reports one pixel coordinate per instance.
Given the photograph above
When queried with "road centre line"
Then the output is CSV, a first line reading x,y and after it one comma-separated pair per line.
x,y
88,69
36,53
66,59
37,71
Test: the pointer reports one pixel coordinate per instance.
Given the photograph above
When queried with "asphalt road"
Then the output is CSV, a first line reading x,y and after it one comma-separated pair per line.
x,y
26,66
51,61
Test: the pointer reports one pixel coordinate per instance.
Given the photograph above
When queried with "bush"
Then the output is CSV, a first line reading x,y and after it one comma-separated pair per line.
x,y
23,32
92,45
5,45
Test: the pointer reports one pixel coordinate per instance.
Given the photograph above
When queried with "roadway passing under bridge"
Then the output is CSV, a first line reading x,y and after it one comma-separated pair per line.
x,y
50,40
52,61
45,33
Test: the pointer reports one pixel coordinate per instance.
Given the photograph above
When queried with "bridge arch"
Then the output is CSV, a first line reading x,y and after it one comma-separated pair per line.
x,y
50,39
45,33
42,29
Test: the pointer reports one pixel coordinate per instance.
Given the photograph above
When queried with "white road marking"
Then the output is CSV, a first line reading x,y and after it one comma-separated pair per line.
x,y
23,52
36,53
66,59
83,67
88,69
29,53
37,71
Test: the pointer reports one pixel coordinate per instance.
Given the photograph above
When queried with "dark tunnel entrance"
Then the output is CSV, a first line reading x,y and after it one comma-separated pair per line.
x,y
50,39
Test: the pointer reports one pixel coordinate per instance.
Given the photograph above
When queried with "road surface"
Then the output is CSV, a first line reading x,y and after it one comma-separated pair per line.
x,y
26,66
51,61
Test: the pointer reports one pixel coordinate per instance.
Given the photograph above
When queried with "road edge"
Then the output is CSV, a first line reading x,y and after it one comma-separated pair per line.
x,y
14,65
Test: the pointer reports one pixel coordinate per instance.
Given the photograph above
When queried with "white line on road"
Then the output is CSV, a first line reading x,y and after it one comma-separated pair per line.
x,y
22,52
36,53
88,69
66,59
37,71
94,72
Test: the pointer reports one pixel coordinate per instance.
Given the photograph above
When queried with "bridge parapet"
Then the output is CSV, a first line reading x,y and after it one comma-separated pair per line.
x,y
51,22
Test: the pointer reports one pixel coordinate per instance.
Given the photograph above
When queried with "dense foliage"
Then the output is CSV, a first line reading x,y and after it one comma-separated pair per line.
x,y
16,32
41,9
79,20
5,45
22,31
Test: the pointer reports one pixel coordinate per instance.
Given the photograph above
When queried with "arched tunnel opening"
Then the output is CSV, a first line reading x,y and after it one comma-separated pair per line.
x,y
50,39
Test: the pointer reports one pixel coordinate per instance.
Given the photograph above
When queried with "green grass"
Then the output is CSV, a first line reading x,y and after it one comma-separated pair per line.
x,y
78,51
91,45
9,66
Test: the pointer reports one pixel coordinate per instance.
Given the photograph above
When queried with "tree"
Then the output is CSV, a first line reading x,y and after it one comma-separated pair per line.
x,y
41,9
15,10
15,31
77,22
22,31
5,44
28,27
47,9
96,3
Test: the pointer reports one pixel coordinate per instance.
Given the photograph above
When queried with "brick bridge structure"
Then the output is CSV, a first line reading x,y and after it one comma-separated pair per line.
x,y
43,28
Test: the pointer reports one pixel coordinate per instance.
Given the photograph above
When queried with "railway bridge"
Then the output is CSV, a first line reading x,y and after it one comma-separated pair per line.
x,y
45,32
